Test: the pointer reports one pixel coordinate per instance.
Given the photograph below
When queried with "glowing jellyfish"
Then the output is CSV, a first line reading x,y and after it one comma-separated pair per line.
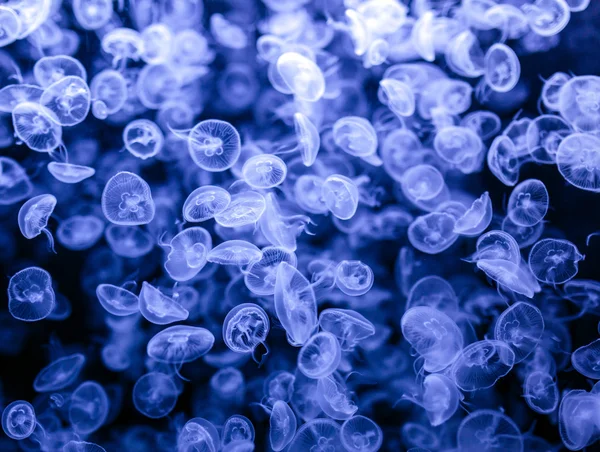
x,y
59,374
89,407
459,146
19,420
484,123
440,398
422,36
433,335
159,309
234,252
354,278
544,135
477,218
116,300
317,434
13,95
155,395
361,434
80,232
341,196
524,235
433,292
586,360
214,145
198,434
264,171
432,233
302,76
180,344
319,356
110,88
188,253
307,190
578,160
398,97
541,392
15,185
143,138
578,103
335,398
11,26
122,44
488,430
547,17
282,425
37,126
510,275
279,229
158,40
92,14
128,241
295,304
551,90
464,55
308,138
577,419
70,173
30,294
245,208
528,203
355,136
261,276
424,186
34,215
50,69
69,99
237,428
245,328
82,446
481,364
503,161
348,326
205,202
554,261
521,326
502,68
127,200
497,245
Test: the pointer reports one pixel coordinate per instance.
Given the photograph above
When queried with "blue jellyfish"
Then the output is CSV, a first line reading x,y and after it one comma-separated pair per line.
x,y
205,202
59,374
15,185
155,395
89,407
188,253
158,308
70,173
30,294
245,328
282,425
50,69
319,356
37,126
361,434
69,99
348,326
143,138
488,430
237,428
235,252
180,344
127,200
117,301
19,420
214,145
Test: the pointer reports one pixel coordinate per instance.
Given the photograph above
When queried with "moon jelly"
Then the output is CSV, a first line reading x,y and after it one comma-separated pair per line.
x,y
334,397
355,136
502,68
320,356
198,434
143,138
317,434
205,202
188,254
245,327
155,395
477,218
30,294
59,374
341,196
245,208
264,171
117,301
69,173
15,185
92,14
13,95
37,126
214,145
89,407
547,17
541,392
577,419
235,252
302,76
432,233
488,430
159,309
69,99
361,434
481,364
528,203
282,425
128,241
127,200
19,420
50,69
578,160
354,278
261,276
110,88
348,326
180,344
11,26
554,261
82,446
521,326
586,360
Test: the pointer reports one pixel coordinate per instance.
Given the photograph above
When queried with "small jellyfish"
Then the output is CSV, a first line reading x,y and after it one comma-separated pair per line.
x,y
398,97
354,278
309,140
481,364
432,233
461,147
110,88
13,95
503,160
245,328
477,218
334,397
264,171
117,301
127,200
464,55
348,326
355,136
440,398
89,407
261,276
30,295
11,26
92,14
18,419
15,185
245,208
50,69
307,191
361,434
214,145
180,344
122,44
584,293
433,335
424,186
502,68
295,304
544,135
578,160
69,99
521,326
34,215
143,139
547,17
205,202
159,309
341,196
484,123
524,235
586,360
155,395
317,435
59,374
234,252
282,426
37,126
301,76
433,292
158,42
514,277
237,428
488,430
551,90
541,392
69,173
578,103
554,261
198,434
128,241
80,232
227,33
578,419
188,253
279,229
319,356
528,203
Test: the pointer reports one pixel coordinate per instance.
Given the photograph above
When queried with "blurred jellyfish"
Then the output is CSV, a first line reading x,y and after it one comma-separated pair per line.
x,y
577,103
188,253
59,374
541,392
282,425
143,138
514,277
127,200
128,241
19,420
554,261
481,364
198,434
340,195
301,76
12,96
88,408
488,430
477,218
214,145
80,232
155,395
50,69
547,17
205,202
577,419
586,360
116,300
461,147
108,88
11,26
334,397
502,68
15,185
92,14
159,309
30,295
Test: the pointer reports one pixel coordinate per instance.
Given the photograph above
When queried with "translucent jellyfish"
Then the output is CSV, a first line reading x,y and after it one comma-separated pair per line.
x,y
82,446
158,41
261,276
227,33
432,233
477,218
70,173
50,69
301,76
295,304
122,44
484,123
433,335
461,147
547,17
245,328
59,374
92,14
544,135
15,185
509,19
11,26
80,232
514,277
30,294
419,435
586,360
128,241
361,434
422,36
13,95
502,68
237,428
524,235
117,301
578,160
34,215
155,395
18,419
282,425
481,364
110,88
341,196
354,278
464,55
488,430
214,145
551,90
143,138
234,252
159,309
198,434
554,261
308,138
320,356
578,419
398,97
541,392
89,407
440,398
584,293
348,326
317,435
503,160
188,253
180,344
205,202
521,326
245,208
69,99
127,200
334,398
264,171
307,191
578,103
424,186
37,126
528,203
355,136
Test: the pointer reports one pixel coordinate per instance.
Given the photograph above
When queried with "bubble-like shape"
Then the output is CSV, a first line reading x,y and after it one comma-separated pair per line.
x,y
528,203
180,344
89,407
245,327
214,145
158,308
155,395
245,208
317,434
301,76
355,136
50,69
488,430
348,326
117,301
521,326
578,160
319,356
282,425
541,392
30,294
554,261
19,420
37,126
264,171
188,253
205,202
502,68
143,138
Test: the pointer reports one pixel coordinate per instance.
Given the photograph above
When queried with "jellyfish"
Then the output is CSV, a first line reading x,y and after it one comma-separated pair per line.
x,y
433,335
261,276
227,33
279,385
521,326
82,446
348,326
307,191
481,364
237,428
577,419
30,294
578,103
155,395
554,261
528,203
198,434
127,200
159,309
551,90
334,397
295,304
128,241
69,173
15,185
308,139
228,386
69,100
11,26
547,17
440,398
60,373
264,171
486,430
320,356
89,407
109,87
502,68
245,208
122,44
432,233
354,278
301,76
477,218
317,434
504,161
235,252
341,196
34,215
282,425
424,186
180,344
50,69
433,292
92,14
278,229
361,434
245,328
355,136
397,96
586,360
188,253
12,96
214,145
37,126
19,420
464,55
544,135
541,392
509,275
143,139
584,293
205,202
117,300
484,123
578,160
80,232
461,147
